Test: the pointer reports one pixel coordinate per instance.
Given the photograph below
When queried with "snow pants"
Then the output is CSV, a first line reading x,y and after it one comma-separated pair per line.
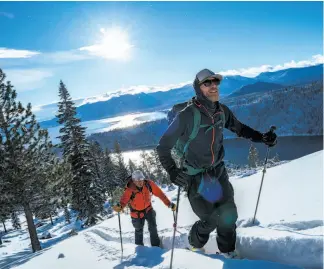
x,y
221,215
138,224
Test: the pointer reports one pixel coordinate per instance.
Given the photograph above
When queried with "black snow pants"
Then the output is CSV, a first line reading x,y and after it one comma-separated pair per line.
x,y
138,224
221,215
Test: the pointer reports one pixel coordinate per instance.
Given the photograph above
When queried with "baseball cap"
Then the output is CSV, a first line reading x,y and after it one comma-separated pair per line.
x,y
205,74
137,175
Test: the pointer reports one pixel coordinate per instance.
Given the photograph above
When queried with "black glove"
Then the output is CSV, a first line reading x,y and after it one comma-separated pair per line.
x,y
179,178
269,138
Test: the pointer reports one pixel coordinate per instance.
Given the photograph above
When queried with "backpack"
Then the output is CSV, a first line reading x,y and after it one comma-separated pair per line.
x,y
181,146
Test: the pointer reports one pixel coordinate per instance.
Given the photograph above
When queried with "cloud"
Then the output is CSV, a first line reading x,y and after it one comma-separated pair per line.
x,y
6,53
254,71
6,14
27,79
62,57
25,57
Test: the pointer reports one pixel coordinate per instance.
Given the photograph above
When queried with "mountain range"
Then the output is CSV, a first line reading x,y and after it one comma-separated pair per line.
x,y
230,86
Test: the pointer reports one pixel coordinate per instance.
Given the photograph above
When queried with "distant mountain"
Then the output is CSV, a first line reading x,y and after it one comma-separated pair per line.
x,y
293,76
256,87
144,102
231,83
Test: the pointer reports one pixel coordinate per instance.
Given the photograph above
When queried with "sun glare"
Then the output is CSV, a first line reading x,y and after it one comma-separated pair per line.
x,y
114,45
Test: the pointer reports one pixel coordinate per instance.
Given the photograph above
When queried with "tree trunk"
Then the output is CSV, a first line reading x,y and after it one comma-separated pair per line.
x,y
32,229
51,219
4,226
0,240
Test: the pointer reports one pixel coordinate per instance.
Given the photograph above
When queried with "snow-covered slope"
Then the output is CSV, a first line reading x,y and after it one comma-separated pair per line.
x,y
288,232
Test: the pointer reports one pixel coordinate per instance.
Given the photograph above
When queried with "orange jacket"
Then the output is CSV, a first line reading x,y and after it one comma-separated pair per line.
x,y
141,199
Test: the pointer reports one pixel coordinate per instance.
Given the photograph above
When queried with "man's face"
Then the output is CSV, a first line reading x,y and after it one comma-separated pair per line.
x,y
139,183
210,88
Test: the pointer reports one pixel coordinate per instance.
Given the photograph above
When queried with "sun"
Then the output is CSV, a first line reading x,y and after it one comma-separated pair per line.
x,y
115,44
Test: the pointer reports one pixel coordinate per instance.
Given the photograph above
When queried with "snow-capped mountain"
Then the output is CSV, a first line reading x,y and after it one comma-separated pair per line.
x,y
293,76
123,103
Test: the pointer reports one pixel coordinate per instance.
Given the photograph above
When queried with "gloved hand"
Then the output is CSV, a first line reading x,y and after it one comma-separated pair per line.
x,y
173,206
179,178
269,138
117,208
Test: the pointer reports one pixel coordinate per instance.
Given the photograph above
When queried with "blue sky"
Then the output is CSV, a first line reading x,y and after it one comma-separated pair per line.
x,y
160,43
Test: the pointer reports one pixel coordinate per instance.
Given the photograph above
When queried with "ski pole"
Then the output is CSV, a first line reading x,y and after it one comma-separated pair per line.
x,y
175,216
272,128
120,233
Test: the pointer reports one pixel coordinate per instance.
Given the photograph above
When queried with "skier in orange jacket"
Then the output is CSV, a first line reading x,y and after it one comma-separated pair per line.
x,y
137,195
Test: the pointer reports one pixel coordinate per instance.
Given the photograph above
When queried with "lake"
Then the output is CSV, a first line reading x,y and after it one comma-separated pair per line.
x,y
237,150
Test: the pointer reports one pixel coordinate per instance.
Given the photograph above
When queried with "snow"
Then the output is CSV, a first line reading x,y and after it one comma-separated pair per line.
x,y
288,232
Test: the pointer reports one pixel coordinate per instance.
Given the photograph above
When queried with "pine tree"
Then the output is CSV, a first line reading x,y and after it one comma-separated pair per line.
x,y
253,157
15,220
131,166
109,171
5,209
27,150
98,158
122,173
158,170
85,184
67,215
59,191
146,165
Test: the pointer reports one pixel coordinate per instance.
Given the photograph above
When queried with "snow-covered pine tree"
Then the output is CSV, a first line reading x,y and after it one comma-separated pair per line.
x,y
60,184
27,150
5,197
67,214
15,221
85,185
146,165
5,206
110,179
158,170
253,157
131,166
45,205
3,218
5,209
98,159
121,171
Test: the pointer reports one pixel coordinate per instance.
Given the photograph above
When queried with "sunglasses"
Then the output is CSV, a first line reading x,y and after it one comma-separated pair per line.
x,y
138,179
208,83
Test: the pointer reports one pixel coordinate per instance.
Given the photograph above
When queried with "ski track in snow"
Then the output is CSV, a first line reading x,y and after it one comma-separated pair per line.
x,y
151,257
287,234
254,243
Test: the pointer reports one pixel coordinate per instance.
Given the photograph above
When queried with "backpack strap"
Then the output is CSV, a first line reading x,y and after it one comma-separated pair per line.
x,y
195,129
147,184
222,114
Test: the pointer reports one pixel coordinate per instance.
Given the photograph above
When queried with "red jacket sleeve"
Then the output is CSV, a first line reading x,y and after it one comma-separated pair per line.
x,y
159,193
125,197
